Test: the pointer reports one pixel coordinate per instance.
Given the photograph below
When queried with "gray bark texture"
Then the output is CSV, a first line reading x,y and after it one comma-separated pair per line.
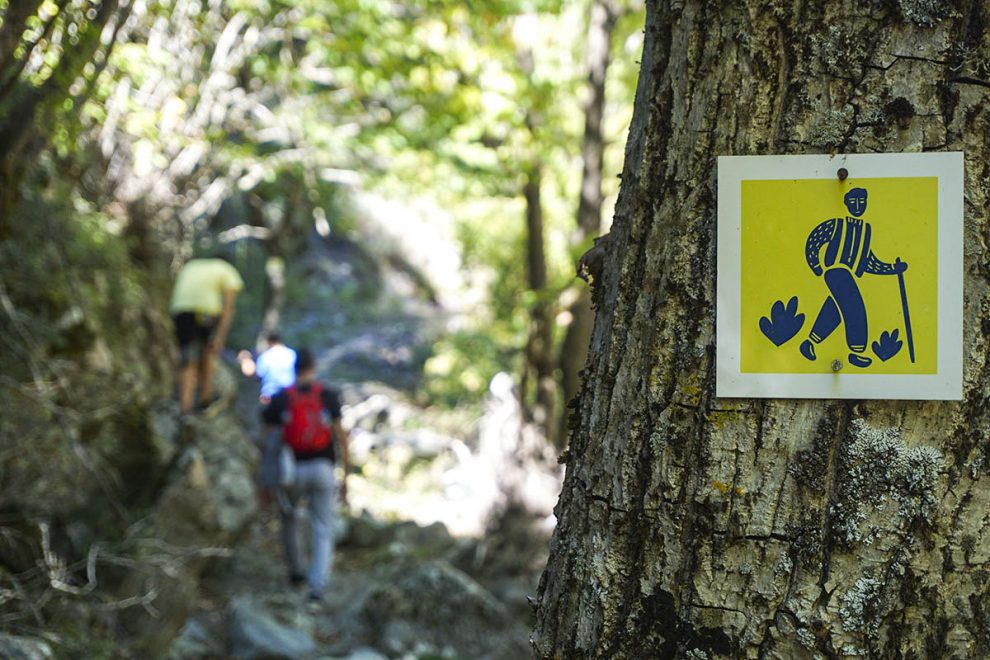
x,y
696,527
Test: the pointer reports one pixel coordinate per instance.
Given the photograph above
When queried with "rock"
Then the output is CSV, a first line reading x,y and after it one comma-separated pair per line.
x,y
231,461
365,532
426,443
363,653
163,438
253,633
23,648
207,503
433,538
515,595
195,641
414,606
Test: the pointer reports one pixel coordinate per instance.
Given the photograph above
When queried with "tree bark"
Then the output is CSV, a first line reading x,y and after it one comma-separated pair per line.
x,y
602,15
539,366
691,526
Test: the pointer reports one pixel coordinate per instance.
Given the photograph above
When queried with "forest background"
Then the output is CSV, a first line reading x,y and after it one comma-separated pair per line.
x,y
134,135
173,124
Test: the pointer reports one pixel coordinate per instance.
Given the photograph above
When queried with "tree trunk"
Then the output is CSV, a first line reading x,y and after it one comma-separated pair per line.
x,y
577,336
539,357
274,300
691,526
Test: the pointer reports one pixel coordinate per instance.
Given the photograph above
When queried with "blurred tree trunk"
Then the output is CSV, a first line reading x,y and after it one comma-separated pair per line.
x,y
27,106
577,336
285,244
274,300
698,527
539,367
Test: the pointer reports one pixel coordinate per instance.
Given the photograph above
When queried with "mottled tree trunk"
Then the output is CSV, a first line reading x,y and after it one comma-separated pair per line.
x,y
539,368
602,15
692,526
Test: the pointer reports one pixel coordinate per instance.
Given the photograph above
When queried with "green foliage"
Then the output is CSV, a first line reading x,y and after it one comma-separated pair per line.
x,y
206,116
274,101
77,277
463,364
249,260
83,357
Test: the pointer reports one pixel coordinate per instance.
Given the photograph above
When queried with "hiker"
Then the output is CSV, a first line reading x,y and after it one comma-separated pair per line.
x,y
275,366
202,308
312,437
848,256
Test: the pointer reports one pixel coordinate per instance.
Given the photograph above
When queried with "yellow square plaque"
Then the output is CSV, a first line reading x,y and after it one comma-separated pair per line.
x,y
840,277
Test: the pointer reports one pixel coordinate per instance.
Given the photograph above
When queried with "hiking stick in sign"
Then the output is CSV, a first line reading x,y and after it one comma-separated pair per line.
x,y
907,315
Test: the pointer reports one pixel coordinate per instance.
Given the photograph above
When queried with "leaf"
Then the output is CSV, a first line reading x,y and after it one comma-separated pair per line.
x,y
784,322
888,345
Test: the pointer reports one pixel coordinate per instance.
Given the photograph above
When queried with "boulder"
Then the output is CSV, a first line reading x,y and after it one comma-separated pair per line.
x,y
195,641
24,648
164,431
253,633
365,532
414,606
363,653
207,503
434,538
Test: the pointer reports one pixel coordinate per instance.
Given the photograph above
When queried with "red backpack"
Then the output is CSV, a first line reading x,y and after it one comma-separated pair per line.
x,y
304,430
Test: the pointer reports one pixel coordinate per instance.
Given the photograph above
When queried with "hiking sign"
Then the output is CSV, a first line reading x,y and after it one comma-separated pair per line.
x,y
840,276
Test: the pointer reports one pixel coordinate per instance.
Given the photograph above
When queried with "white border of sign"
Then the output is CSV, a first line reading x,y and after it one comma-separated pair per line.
x,y
946,384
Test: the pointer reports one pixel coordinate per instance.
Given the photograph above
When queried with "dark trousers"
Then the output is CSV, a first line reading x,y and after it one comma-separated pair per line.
x,y
844,305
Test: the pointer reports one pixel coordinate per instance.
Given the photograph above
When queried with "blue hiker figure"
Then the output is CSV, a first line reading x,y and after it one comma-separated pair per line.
x,y
847,257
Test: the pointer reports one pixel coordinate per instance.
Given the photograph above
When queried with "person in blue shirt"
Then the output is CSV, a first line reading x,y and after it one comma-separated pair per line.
x,y
275,367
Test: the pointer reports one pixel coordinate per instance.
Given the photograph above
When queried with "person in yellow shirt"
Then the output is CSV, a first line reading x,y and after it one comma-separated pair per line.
x,y
202,308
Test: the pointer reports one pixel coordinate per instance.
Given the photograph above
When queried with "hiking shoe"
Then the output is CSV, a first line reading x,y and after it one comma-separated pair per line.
x,y
315,598
859,360
295,579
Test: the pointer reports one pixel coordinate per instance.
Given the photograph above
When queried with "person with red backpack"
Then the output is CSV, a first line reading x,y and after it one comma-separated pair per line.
x,y
312,434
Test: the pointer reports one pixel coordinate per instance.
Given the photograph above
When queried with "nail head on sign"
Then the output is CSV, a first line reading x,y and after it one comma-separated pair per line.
x,y
842,173
836,365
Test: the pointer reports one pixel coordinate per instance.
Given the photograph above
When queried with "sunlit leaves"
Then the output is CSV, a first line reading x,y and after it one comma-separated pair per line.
x,y
448,99
47,33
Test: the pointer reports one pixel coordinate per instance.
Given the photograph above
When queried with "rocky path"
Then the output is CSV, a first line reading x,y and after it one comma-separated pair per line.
x,y
433,561
400,589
